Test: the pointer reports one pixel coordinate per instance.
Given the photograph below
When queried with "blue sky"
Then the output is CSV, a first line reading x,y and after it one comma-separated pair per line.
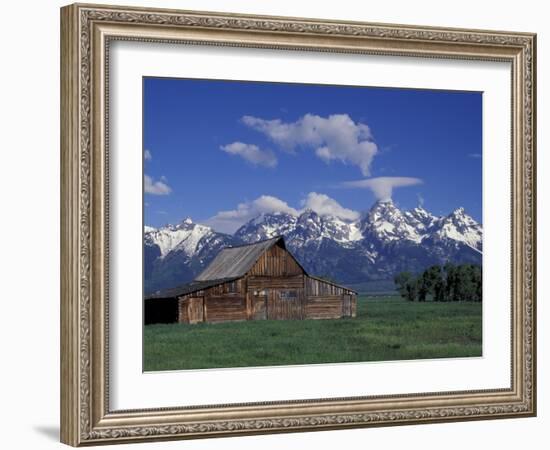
x,y
221,152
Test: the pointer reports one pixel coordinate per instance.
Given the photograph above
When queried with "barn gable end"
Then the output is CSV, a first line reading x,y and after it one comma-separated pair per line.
x,y
276,261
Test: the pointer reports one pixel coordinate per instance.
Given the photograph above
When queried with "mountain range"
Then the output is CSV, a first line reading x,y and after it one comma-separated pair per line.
x,y
382,242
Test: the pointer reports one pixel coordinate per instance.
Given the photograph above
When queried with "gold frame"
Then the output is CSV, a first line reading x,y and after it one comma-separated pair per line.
x,y
86,31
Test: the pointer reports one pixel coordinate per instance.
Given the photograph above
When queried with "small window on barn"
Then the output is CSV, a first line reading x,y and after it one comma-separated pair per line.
x,y
288,295
232,287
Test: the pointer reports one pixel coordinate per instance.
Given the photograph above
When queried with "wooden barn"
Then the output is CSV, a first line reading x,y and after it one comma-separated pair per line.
x,y
252,282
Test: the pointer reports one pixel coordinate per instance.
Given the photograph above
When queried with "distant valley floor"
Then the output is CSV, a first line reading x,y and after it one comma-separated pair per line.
x,y
385,329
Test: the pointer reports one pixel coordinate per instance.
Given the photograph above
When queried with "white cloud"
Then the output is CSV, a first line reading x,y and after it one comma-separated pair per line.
x,y
336,137
251,153
230,221
156,187
382,187
147,155
474,155
325,206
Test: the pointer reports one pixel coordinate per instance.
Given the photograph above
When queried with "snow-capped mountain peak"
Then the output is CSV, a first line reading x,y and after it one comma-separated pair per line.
x,y
460,227
420,219
309,228
384,241
421,214
386,222
266,226
182,236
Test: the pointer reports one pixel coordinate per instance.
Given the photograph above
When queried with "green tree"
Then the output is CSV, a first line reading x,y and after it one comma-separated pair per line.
x,y
435,283
427,283
478,280
423,287
450,281
413,290
463,282
472,284
408,286
403,281
466,282
442,284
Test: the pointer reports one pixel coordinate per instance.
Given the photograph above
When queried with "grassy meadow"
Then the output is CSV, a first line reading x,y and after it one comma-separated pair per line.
x,y
386,328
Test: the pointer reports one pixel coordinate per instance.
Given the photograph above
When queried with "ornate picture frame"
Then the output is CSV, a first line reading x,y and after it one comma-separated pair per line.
x,y
87,31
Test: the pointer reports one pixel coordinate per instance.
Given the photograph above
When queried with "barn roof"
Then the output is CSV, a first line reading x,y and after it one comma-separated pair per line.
x,y
333,283
188,288
230,264
235,262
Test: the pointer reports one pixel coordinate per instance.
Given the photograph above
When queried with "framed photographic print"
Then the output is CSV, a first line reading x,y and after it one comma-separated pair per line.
x,y
276,224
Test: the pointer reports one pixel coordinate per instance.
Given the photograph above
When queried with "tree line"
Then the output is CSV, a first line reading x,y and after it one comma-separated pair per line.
x,y
448,283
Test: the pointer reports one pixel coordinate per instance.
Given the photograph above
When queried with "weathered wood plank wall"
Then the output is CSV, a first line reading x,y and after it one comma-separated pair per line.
x,y
324,307
224,302
315,286
285,304
275,288
259,308
276,262
221,309
262,282
195,309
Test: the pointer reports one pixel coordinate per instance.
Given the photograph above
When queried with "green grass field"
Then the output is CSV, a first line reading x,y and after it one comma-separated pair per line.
x,y
385,329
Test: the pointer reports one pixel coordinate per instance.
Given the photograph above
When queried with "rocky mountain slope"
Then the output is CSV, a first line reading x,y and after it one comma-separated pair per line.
x,y
383,242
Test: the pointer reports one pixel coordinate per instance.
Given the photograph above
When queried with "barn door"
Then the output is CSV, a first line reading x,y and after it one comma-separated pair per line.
x,y
285,304
195,309
259,304
272,305
346,306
